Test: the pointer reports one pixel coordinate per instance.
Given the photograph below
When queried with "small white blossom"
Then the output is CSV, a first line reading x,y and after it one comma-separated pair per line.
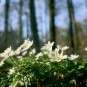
x,y
33,51
45,52
11,53
65,48
24,53
64,57
85,49
20,58
72,57
48,46
39,55
18,51
6,52
56,56
1,63
26,45
48,63
4,55
57,60
58,48
11,71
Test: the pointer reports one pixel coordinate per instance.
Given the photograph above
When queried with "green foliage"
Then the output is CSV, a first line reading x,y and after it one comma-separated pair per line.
x,y
44,73
4,74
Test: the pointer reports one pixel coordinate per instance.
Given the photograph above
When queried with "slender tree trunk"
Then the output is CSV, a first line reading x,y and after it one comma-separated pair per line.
x,y
20,20
86,3
34,26
52,21
6,21
28,28
76,40
73,32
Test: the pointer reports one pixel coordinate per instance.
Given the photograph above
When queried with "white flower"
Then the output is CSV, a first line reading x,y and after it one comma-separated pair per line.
x,y
64,57
58,48
17,51
57,60
72,57
26,45
33,51
6,52
11,53
24,53
1,63
48,63
56,56
38,55
4,55
65,48
45,52
85,49
11,71
20,58
48,46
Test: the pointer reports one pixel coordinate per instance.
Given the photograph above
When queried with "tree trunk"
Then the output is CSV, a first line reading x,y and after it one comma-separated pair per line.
x,y
28,24
6,21
34,26
73,32
52,22
20,20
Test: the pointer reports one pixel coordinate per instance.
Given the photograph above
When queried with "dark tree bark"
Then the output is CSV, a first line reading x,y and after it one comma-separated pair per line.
x,y
20,20
34,26
52,21
73,32
28,24
6,21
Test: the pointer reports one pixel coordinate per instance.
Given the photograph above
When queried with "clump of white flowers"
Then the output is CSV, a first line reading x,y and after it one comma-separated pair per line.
x,y
55,55
6,53
24,47
20,51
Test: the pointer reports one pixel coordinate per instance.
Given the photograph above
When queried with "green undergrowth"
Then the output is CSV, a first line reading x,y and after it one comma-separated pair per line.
x,y
43,73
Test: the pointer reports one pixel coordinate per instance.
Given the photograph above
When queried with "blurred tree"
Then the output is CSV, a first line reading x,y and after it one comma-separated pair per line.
x,y
28,24
52,21
73,32
86,3
34,29
6,22
20,20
